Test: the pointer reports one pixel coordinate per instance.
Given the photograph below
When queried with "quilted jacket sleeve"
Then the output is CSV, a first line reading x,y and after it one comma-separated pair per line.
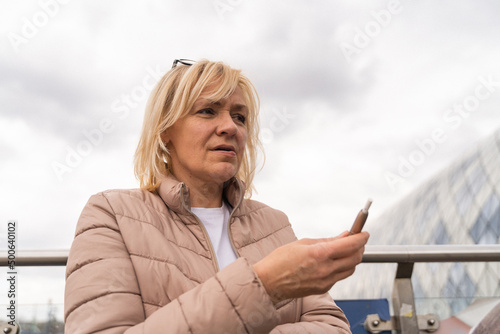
x,y
102,294
319,315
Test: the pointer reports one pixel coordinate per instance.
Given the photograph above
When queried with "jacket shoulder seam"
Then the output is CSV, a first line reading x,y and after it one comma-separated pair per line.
x,y
130,194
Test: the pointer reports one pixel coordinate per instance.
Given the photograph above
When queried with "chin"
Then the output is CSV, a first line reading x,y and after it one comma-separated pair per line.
x,y
224,174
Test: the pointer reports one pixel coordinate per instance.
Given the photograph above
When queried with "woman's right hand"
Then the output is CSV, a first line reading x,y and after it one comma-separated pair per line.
x,y
310,266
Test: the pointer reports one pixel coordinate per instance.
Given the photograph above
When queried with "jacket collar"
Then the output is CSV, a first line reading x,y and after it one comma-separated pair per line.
x,y
176,196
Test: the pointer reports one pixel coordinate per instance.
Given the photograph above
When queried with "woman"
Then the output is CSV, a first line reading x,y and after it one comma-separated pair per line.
x,y
189,252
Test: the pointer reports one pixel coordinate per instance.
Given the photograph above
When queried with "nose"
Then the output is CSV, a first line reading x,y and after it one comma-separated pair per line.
x,y
226,125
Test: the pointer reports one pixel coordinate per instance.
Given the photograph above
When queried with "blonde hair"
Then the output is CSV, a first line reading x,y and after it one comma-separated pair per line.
x,y
172,98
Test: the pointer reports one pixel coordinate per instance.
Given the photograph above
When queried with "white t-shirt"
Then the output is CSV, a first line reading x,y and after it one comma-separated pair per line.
x,y
215,221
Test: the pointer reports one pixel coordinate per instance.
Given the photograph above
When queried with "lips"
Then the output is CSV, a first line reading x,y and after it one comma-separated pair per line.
x,y
226,148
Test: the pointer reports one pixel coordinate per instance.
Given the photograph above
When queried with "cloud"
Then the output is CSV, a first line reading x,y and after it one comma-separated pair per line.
x,y
333,128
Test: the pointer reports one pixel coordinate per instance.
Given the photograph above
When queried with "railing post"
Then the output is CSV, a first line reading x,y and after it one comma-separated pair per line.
x,y
403,300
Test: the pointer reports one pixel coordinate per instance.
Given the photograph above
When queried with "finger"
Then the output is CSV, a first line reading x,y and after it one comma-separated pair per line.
x,y
343,234
348,262
309,241
342,247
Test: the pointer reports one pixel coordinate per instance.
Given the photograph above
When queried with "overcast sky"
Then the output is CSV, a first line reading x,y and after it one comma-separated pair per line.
x,y
358,99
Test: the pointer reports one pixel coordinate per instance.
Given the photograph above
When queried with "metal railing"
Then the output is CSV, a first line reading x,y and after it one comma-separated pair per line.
x,y
402,299
405,319
373,254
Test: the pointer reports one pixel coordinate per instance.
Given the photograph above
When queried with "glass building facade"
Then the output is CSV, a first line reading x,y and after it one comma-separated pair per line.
x,y
460,205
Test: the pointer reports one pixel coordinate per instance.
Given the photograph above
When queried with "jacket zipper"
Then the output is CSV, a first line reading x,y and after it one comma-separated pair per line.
x,y
204,230
231,241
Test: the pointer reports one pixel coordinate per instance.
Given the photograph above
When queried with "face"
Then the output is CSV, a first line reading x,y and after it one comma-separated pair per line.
x,y
207,145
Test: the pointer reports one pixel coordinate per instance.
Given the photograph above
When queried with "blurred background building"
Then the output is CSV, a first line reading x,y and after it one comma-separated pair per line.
x,y
460,205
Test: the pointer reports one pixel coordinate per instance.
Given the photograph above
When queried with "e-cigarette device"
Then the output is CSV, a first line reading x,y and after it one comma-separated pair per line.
x,y
361,218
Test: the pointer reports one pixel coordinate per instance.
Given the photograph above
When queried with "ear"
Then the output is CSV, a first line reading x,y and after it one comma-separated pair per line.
x,y
165,138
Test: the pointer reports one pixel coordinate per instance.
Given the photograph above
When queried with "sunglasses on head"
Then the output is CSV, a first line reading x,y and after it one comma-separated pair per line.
x,y
187,62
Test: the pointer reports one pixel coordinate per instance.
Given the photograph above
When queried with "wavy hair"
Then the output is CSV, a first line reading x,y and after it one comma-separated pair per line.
x,y
172,98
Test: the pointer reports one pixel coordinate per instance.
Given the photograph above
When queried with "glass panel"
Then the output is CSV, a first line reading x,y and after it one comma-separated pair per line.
x,y
440,235
458,172
495,223
459,304
488,238
456,274
417,288
467,287
433,266
430,209
488,282
491,206
478,228
456,175
463,199
477,179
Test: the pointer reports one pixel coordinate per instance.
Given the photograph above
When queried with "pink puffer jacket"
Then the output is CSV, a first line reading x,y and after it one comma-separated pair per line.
x,y
142,263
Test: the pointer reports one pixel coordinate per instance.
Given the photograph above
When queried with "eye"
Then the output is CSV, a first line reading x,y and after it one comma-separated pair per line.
x,y
240,118
206,111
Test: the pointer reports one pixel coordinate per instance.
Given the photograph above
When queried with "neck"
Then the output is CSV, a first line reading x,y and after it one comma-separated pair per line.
x,y
206,195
